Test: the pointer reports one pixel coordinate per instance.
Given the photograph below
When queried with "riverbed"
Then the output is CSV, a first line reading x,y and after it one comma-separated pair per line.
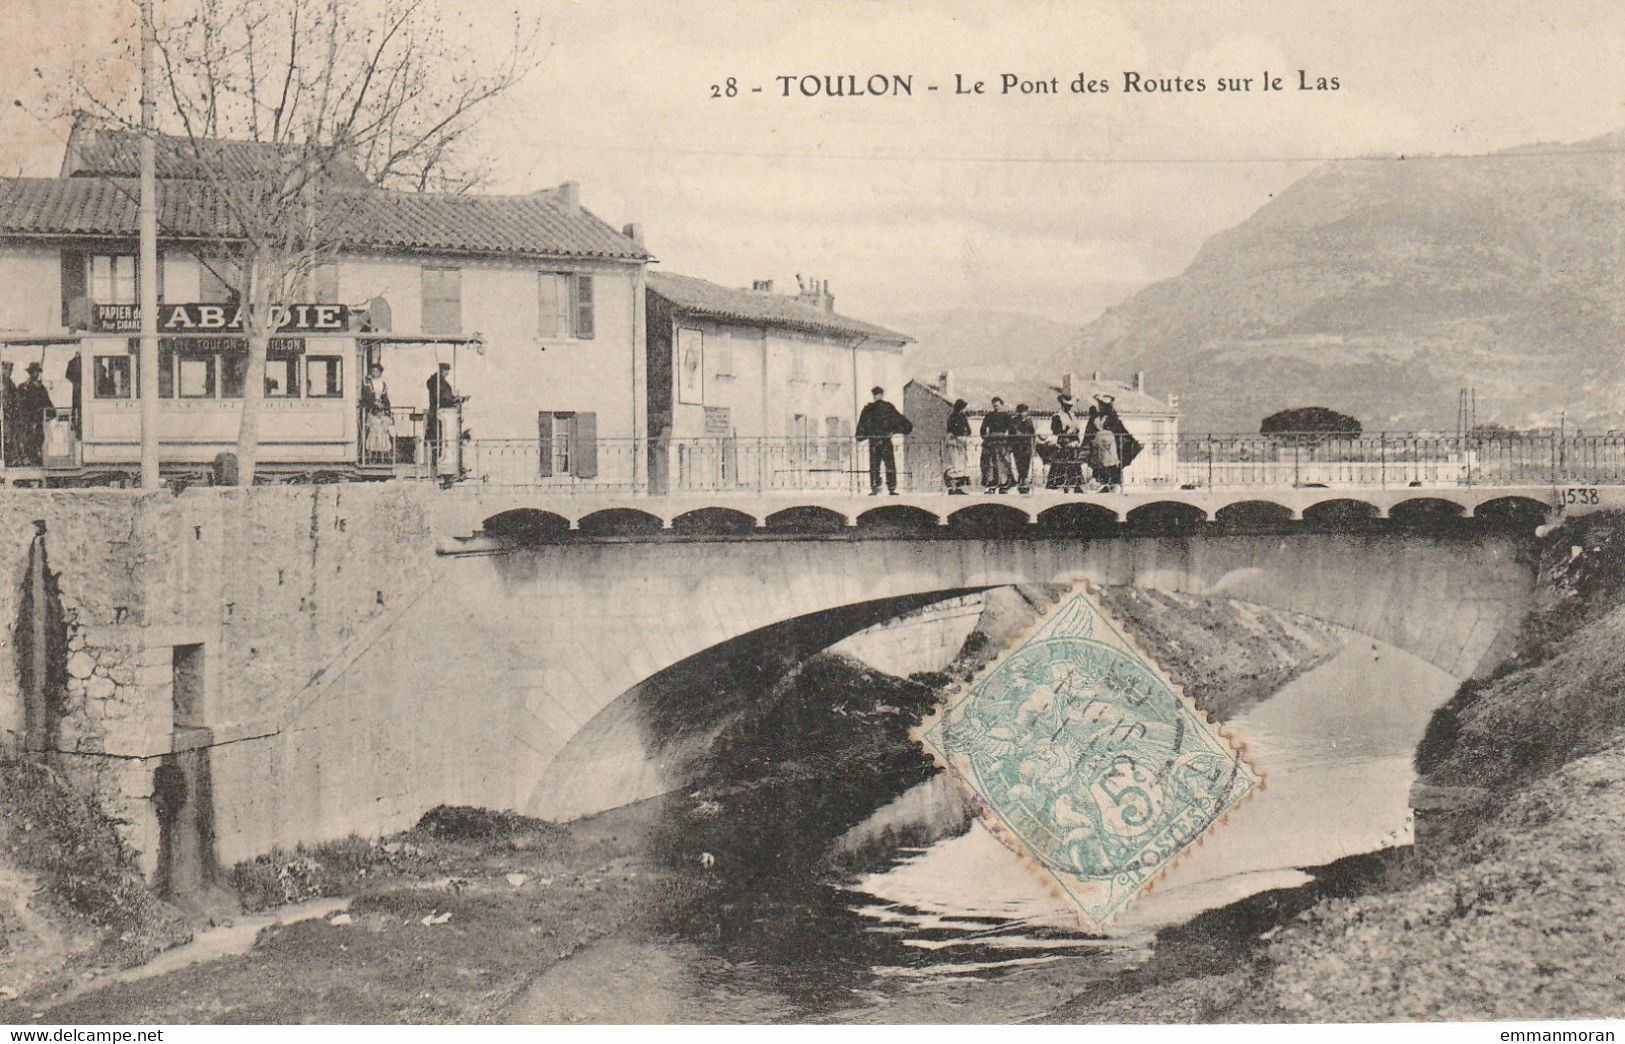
x,y
812,898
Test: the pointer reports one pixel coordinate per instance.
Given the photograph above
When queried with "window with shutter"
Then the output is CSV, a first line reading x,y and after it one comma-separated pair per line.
x,y
581,306
218,280
442,299
584,444
553,304
324,283
73,280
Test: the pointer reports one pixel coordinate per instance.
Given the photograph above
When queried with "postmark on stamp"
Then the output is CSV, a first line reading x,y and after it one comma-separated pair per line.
x,y
1078,752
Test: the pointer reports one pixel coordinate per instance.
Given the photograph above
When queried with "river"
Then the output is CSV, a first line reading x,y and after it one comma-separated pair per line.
x,y
791,911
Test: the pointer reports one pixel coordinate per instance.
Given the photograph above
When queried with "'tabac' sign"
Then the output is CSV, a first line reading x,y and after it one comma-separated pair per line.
x,y
224,318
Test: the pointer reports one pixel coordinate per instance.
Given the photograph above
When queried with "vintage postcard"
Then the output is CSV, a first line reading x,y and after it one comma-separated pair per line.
x,y
689,512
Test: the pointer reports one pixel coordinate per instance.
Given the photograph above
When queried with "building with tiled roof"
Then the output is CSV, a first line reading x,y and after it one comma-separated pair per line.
x,y
536,302
752,365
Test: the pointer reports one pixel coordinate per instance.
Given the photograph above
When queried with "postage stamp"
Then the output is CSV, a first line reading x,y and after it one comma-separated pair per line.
x,y
1078,752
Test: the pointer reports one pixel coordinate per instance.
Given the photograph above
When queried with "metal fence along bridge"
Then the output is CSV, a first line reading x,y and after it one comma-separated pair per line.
x,y
740,485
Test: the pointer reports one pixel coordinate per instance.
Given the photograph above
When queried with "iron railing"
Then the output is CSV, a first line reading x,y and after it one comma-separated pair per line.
x,y
1216,462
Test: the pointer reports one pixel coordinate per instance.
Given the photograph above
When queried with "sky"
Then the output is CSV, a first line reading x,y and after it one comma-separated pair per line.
x,y
1051,205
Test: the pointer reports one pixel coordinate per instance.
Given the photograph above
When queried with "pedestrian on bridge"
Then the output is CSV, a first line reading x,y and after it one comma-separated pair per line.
x,y
1022,439
956,466
1066,454
877,424
998,463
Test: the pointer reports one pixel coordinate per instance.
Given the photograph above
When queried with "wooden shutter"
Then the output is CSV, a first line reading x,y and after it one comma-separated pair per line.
x,y
544,443
73,279
584,444
581,305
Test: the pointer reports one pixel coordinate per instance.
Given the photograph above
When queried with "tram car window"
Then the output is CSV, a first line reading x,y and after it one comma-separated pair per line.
x,y
112,376
282,378
196,376
325,374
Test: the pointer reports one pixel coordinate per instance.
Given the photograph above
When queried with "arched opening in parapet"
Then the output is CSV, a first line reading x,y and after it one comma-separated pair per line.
x,y
1253,516
1340,516
1520,514
1079,519
526,526
713,521
807,519
897,520
988,520
1166,517
1433,514
613,522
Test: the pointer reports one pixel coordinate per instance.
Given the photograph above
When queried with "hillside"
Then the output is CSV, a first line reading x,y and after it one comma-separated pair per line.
x,y
1380,287
997,343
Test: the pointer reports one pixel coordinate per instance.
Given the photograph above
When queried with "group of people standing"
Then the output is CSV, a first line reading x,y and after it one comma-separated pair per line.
x,y
1082,453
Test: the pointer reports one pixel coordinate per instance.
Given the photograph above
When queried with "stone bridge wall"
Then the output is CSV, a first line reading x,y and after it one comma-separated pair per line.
x,y
354,678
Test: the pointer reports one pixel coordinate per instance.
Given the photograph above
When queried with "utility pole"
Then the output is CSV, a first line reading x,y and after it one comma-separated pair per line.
x,y
147,275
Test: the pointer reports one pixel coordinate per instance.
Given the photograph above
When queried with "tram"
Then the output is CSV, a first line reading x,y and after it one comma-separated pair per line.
x,y
311,423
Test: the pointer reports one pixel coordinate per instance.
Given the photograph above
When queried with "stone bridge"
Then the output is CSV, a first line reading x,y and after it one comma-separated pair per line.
x,y
354,655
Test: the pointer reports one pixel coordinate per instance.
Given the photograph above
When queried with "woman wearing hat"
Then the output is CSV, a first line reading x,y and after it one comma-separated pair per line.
x,y
956,469
1066,461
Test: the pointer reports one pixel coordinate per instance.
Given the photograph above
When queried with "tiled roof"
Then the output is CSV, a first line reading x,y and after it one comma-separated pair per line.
x,y
1040,395
117,153
699,297
537,225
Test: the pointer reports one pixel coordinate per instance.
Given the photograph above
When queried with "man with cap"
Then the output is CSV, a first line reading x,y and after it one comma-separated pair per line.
x,y
33,406
998,465
878,422
441,396
1021,447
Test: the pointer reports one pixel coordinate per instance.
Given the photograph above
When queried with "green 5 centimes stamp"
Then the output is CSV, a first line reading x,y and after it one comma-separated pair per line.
x,y
1079,753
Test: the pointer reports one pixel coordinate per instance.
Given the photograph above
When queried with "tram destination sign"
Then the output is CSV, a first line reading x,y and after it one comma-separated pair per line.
x,y
221,318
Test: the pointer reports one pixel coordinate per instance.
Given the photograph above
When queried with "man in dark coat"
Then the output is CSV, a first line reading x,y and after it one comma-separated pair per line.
x,y
878,422
1021,446
33,406
1127,446
998,466
956,462
441,396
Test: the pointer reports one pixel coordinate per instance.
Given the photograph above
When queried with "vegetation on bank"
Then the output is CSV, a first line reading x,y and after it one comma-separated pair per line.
x,y
71,896
1509,907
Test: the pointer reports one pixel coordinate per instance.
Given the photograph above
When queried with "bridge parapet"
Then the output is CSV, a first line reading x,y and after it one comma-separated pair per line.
x,y
466,512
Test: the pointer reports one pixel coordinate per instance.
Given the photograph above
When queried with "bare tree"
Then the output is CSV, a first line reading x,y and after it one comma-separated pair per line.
x,y
292,116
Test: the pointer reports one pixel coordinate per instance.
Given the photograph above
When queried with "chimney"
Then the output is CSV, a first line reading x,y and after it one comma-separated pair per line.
x,y
631,230
763,285
1072,384
569,196
1095,376
945,384
1139,380
815,292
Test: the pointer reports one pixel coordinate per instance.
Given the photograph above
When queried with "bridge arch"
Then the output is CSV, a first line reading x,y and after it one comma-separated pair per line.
x,y
620,521
713,521
1083,517
807,518
1341,513
1166,516
989,520
1246,514
898,518
525,525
